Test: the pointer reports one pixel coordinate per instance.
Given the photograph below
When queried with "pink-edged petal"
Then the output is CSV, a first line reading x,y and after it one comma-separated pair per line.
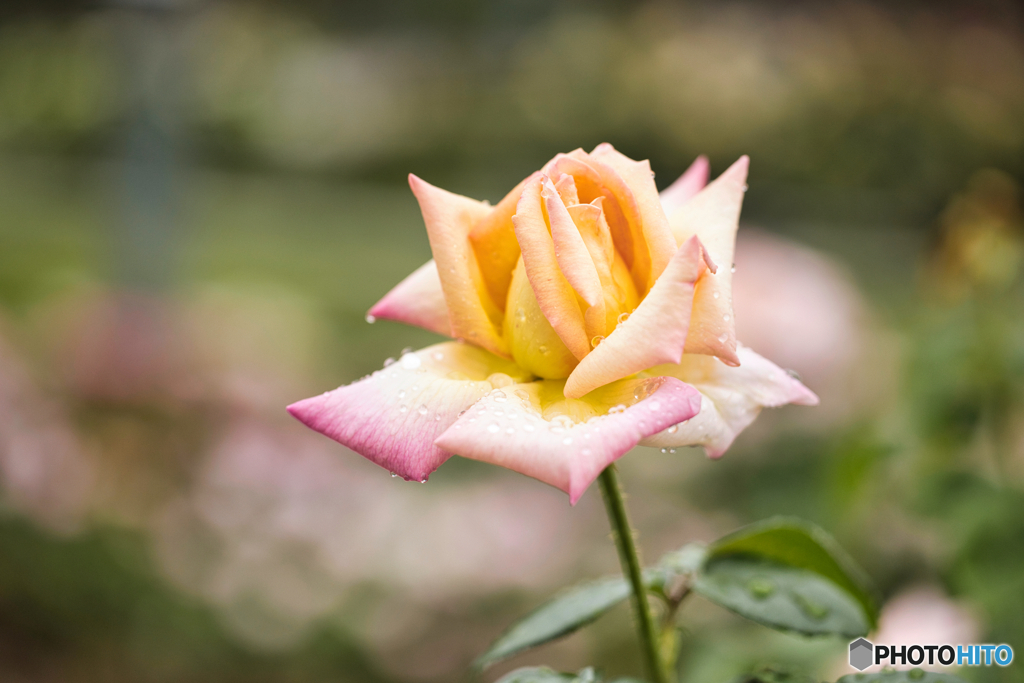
x,y
555,295
686,186
417,300
566,187
393,416
731,397
520,430
713,215
657,237
655,333
449,218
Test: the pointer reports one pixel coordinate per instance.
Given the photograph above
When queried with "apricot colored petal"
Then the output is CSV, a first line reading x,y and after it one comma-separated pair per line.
x,y
713,216
686,186
571,252
449,218
555,295
638,176
494,243
731,397
393,416
566,187
515,429
417,300
655,333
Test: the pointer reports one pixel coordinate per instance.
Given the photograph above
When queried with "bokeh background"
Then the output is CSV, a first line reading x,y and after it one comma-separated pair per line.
x,y
200,200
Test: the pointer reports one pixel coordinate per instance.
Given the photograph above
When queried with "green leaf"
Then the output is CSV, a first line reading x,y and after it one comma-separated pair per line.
x,y
789,575
561,616
537,674
773,675
912,676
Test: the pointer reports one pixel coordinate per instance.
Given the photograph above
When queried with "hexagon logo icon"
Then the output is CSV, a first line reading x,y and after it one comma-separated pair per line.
x,y
860,654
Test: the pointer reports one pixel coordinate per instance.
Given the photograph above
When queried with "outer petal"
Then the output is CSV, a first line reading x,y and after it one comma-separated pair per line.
x,y
554,294
713,216
393,416
497,251
516,430
686,186
417,300
655,333
449,219
731,398
654,224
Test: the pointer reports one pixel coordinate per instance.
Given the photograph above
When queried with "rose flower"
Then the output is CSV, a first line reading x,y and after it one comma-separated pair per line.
x,y
591,315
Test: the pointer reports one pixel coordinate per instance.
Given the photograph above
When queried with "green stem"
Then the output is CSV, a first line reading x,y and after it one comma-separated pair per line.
x,y
630,559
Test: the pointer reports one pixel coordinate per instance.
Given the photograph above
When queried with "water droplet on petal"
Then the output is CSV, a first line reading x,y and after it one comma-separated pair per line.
x,y
567,441
664,450
673,429
370,319
438,356
596,340
520,315
388,361
716,295
403,408
422,410
586,451
510,430
655,405
499,396
410,361
543,350
437,418
794,374
493,428
726,317
527,427
723,337
423,481
394,474
463,412
623,317
671,450
401,394
733,268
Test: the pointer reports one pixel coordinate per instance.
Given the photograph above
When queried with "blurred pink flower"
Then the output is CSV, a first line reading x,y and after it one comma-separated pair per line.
x,y
596,319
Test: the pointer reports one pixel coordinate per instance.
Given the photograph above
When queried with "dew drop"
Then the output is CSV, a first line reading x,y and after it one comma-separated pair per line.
x,y
556,429
437,418
723,337
760,587
586,451
423,481
794,374
403,408
520,315
461,413
596,340
543,350
673,429
528,427
810,608
655,405
410,361
614,410
388,361
422,410
671,450
370,319
567,441
746,187
623,317
438,356
726,317
493,428
511,414
510,430
401,394
664,450
394,474
716,295
499,396
733,268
